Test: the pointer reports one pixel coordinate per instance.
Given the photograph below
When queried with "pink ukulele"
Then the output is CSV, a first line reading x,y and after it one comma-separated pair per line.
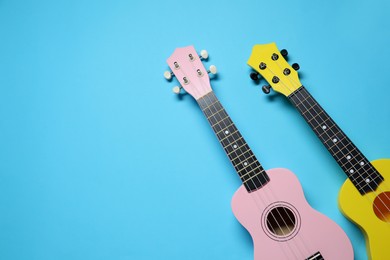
x,y
270,204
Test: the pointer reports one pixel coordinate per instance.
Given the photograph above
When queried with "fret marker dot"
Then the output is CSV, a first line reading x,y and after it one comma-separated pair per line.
x,y
245,163
324,127
226,132
361,163
351,171
367,180
348,157
334,140
235,146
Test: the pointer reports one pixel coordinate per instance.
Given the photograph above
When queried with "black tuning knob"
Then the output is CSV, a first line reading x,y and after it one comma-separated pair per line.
x,y
255,76
295,66
284,53
266,89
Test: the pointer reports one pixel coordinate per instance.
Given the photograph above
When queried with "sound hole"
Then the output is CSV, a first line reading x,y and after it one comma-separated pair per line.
x,y
382,206
281,221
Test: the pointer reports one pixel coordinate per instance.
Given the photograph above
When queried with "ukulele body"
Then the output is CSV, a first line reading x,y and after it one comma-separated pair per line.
x,y
361,210
300,231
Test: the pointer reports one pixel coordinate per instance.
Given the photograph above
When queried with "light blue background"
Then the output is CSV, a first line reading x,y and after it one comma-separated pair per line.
x,y
100,160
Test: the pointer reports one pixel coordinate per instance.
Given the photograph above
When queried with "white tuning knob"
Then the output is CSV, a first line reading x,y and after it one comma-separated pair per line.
x,y
176,89
204,54
168,75
213,70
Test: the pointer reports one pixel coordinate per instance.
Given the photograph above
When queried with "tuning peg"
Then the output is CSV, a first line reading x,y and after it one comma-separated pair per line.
x,y
295,66
204,54
255,76
266,89
168,75
176,89
212,69
284,53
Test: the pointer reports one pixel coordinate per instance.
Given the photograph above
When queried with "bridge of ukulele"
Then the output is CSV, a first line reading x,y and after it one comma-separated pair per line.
x,y
316,256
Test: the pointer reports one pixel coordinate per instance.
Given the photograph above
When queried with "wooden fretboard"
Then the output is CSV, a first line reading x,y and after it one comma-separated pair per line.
x,y
355,165
244,161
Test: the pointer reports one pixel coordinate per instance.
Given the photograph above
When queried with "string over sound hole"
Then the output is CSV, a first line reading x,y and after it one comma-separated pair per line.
x,y
382,206
281,221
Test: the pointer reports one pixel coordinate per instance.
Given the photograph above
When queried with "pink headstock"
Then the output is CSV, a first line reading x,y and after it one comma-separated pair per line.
x,y
189,70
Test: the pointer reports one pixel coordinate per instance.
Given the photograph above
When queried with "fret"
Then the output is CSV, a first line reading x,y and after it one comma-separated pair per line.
x,y
355,165
250,160
345,162
248,171
217,118
336,143
251,177
316,256
239,144
309,116
230,128
324,126
366,185
257,181
210,105
222,125
241,156
212,113
231,150
329,130
223,132
229,139
248,167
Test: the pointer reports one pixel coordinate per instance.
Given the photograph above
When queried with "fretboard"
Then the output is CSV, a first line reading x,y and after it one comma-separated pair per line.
x,y
244,161
355,165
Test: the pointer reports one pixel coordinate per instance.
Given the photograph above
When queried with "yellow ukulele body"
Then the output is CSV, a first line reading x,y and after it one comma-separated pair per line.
x,y
370,212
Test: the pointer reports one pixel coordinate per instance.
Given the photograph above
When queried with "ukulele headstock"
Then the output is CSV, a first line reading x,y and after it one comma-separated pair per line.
x,y
271,64
186,65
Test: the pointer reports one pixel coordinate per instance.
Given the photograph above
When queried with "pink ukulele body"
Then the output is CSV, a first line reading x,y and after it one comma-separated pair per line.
x,y
269,204
313,232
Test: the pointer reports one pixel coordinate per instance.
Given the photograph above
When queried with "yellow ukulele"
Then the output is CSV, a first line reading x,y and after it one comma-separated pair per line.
x,y
365,196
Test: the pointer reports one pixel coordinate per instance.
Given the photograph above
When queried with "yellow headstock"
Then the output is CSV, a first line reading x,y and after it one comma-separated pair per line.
x,y
267,60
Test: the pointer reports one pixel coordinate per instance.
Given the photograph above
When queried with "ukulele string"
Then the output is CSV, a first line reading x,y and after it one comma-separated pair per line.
x,y
292,81
258,206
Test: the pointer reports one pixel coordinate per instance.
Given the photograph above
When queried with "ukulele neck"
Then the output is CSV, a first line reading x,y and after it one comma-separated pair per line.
x,y
250,171
355,165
